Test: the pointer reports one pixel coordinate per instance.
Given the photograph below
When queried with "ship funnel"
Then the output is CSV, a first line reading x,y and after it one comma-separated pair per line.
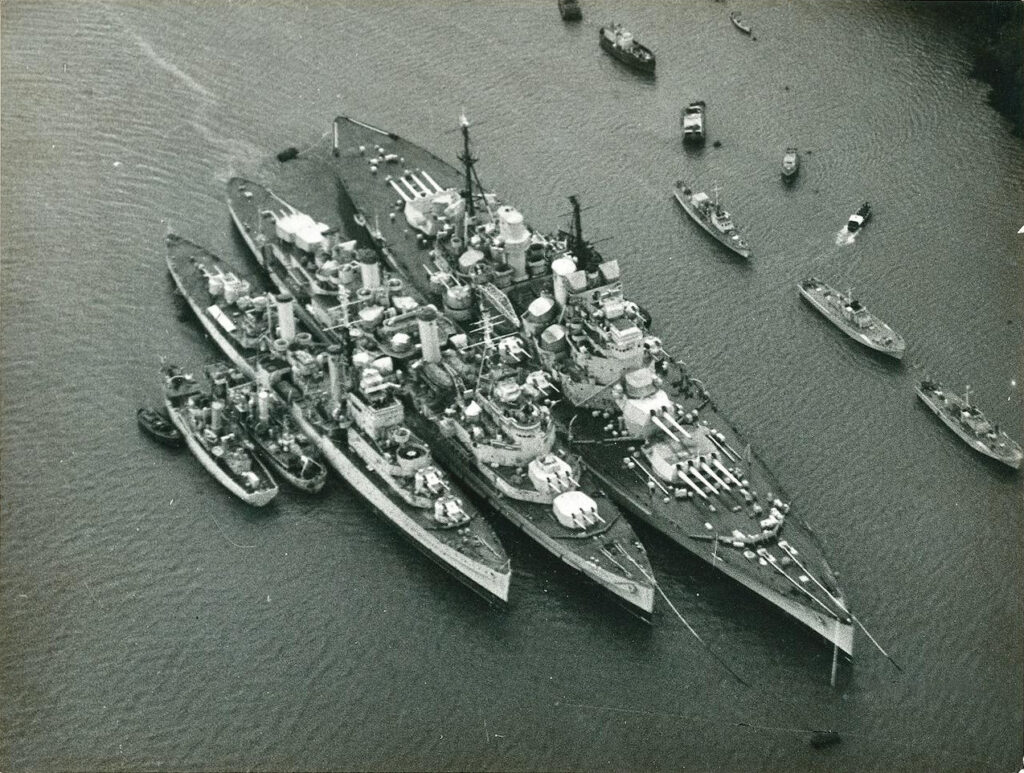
x,y
216,415
334,368
516,237
285,317
263,405
426,318
562,268
369,269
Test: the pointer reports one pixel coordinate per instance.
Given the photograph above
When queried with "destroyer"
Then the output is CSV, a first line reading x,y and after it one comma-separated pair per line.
x,y
969,423
643,427
497,438
850,316
214,440
363,439
712,217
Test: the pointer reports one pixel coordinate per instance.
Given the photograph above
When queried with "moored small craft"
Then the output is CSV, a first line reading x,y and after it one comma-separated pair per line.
x,y
263,418
156,423
969,423
214,440
850,316
790,164
739,24
692,120
570,10
712,217
621,44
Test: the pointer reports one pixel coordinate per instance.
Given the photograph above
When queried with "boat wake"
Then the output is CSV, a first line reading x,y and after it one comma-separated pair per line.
x,y
845,237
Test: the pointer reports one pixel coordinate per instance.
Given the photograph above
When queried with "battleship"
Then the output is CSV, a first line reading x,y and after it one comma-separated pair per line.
x,y
214,439
969,423
357,425
642,425
495,435
712,217
849,315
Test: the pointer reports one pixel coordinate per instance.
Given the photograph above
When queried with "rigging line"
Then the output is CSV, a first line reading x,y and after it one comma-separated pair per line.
x,y
678,614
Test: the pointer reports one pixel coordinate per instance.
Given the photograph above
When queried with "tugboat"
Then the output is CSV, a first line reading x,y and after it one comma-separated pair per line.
x,y
969,423
214,440
850,316
414,495
268,426
692,120
618,385
712,217
158,425
570,10
621,44
790,164
859,218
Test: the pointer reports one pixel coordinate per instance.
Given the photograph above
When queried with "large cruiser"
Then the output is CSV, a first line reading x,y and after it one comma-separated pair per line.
x,y
969,423
498,438
642,426
214,439
363,438
852,317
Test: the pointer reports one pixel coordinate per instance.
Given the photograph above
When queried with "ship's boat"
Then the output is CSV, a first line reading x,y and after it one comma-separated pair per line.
x,y
711,216
621,44
570,10
692,120
481,260
269,427
859,218
739,24
969,423
851,316
214,439
158,425
790,164
313,384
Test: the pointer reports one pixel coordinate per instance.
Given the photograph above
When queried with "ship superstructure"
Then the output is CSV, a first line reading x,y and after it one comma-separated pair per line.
x,y
643,426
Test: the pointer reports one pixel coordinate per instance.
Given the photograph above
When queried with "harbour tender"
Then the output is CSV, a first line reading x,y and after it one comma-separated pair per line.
x,y
790,164
851,316
969,423
621,44
711,216
644,427
692,121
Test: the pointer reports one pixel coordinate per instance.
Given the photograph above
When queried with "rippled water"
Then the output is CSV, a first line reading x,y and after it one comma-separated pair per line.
x,y
152,621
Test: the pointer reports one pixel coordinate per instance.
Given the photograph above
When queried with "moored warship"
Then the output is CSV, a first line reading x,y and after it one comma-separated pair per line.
x,y
500,442
214,439
850,315
356,424
642,426
710,215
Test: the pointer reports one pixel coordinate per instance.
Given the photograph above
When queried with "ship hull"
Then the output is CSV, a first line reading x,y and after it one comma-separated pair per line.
x,y
1012,460
689,210
257,498
645,66
895,350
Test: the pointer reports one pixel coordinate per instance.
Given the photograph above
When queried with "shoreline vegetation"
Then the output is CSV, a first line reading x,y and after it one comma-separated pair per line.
x,y
996,31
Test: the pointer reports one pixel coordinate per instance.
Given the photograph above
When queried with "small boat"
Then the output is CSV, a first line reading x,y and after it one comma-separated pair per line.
x,y
692,120
570,10
739,24
288,154
712,217
621,44
859,218
822,739
850,316
158,425
969,423
790,164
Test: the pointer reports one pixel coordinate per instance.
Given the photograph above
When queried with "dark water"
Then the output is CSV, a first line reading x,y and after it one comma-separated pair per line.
x,y
152,621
